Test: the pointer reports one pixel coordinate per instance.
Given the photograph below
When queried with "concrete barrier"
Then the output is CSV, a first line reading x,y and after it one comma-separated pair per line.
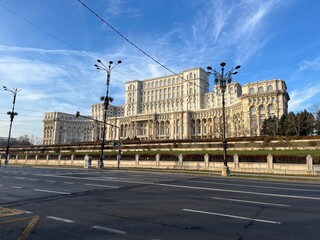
x,y
268,166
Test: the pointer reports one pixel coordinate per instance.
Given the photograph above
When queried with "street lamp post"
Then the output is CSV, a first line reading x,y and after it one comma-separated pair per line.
x,y
106,100
112,125
222,79
14,91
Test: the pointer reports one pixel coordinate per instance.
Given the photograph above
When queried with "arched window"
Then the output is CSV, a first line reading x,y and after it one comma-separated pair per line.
x,y
270,88
260,89
261,108
270,108
252,110
251,90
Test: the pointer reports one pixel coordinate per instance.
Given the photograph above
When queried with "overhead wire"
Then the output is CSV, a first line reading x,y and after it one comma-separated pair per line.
x,y
135,46
113,28
45,31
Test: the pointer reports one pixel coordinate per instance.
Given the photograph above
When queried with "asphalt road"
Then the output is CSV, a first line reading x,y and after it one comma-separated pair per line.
x,y
51,203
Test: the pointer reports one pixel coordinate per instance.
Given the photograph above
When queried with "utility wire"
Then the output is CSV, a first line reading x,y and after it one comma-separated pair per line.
x,y
45,31
52,35
108,24
134,45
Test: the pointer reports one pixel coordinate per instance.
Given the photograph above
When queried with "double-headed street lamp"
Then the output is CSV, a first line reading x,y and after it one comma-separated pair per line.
x,y
222,79
14,91
106,100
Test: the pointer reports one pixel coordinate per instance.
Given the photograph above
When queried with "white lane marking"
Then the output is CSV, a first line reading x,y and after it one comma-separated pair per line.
x,y
273,183
255,186
232,216
49,191
20,178
68,182
24,211
238,191
196,188
110,177
97,185
16,187
109,229
50,181
253,202
61,219
32,179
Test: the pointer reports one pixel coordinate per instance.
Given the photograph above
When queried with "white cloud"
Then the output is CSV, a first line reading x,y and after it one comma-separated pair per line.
x,y
313,64
119,7
302,98
4,48
15,70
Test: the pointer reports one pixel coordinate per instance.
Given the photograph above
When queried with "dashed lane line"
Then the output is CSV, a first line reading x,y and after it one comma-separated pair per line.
x,y
252,202
20,178
97,185
111,230
50,191
196,188
61,219
68,182
232,216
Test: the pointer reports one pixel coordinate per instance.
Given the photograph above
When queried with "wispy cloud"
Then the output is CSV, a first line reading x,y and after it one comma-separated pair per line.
x,y
4,48
119,7
313,64
224,29
301,98
23,71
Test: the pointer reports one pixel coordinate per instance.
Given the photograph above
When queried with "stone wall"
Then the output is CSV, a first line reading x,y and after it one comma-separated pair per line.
x,y
202,163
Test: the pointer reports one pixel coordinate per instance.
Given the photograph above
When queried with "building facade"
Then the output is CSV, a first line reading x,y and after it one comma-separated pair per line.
x,y
176,107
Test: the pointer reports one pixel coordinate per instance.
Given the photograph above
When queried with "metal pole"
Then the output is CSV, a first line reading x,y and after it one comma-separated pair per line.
x,y
103,137
224,141
119,150
225,169
223,79
106,100
106,104
12,114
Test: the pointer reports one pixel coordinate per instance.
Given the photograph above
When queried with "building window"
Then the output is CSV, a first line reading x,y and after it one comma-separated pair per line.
x,y
260,89
261,108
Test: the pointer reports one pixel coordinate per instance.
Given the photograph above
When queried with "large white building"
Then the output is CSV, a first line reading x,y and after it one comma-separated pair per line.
x,y
175,107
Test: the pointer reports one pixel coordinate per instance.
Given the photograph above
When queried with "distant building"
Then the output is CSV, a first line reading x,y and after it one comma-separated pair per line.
x,y
176,107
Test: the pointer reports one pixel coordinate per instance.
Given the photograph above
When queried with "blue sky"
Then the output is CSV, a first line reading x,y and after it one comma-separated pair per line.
x,y
48,49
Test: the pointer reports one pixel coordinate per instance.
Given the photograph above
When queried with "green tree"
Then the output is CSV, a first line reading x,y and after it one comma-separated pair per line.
x,y
270,126
283,129
300,124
